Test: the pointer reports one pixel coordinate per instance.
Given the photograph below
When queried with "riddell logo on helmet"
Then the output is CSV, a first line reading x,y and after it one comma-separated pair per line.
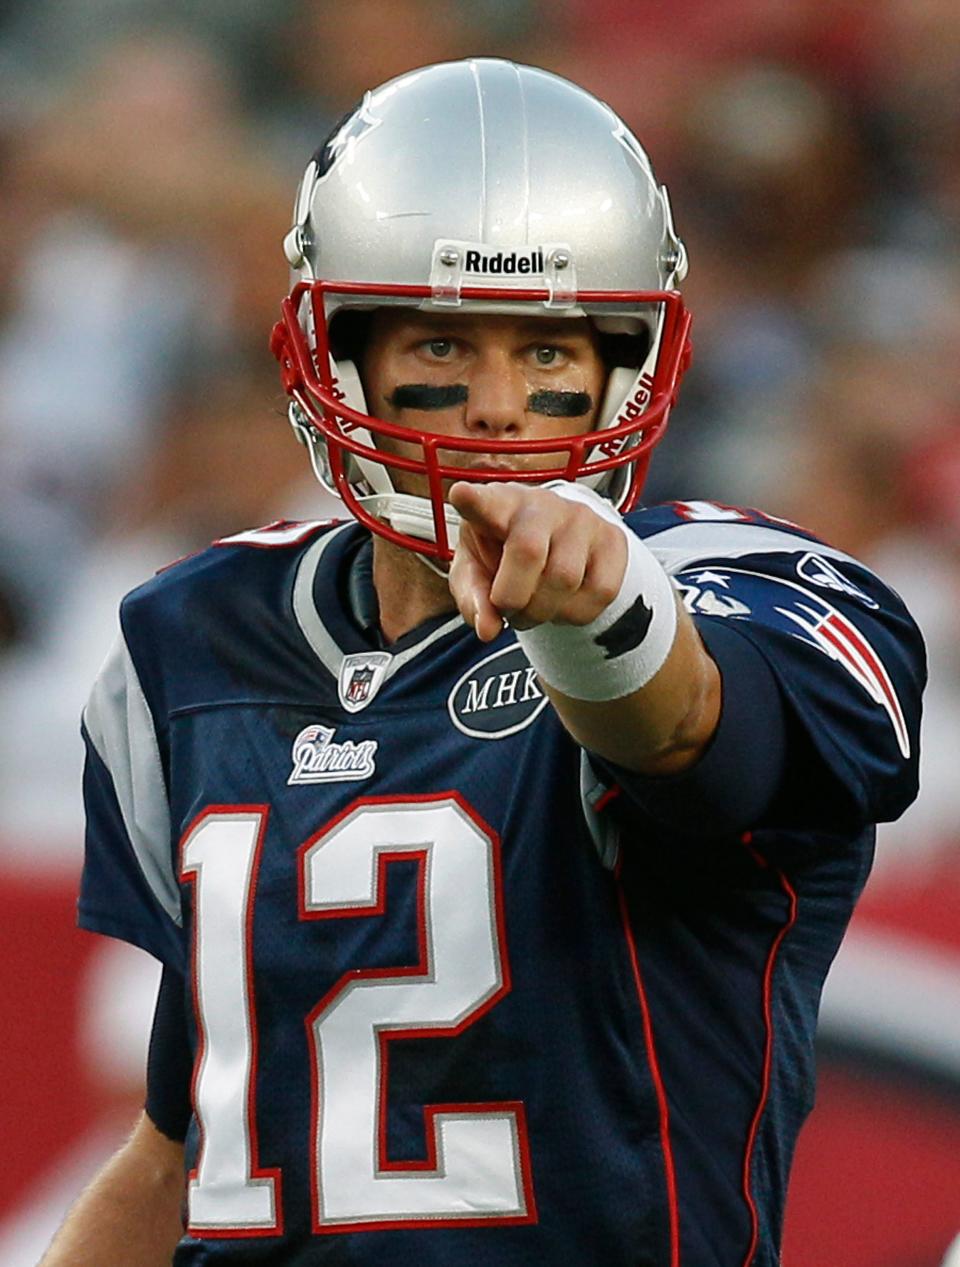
x,y
638,401
509,265
632,410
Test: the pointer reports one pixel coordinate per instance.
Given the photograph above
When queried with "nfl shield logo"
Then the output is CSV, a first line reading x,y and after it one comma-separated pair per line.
x,y
361,676
358,688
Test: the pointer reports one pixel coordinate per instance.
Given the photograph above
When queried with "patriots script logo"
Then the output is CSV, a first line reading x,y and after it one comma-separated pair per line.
x,y
318,759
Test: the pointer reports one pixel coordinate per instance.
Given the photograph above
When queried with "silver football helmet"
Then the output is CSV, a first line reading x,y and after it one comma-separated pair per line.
x,y
485,186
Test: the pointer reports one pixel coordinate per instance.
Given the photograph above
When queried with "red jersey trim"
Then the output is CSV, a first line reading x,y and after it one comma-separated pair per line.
x,y
673,1207
772,955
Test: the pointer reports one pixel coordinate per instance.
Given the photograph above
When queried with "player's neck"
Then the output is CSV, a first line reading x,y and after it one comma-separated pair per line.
x,y
408,592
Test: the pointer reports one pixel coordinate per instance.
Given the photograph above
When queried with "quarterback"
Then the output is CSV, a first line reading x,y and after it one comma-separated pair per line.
x,y
496,840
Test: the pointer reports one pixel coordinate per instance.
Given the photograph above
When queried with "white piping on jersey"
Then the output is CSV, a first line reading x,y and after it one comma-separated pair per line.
x,y
316,632
690,543
305,610
120,726
603,830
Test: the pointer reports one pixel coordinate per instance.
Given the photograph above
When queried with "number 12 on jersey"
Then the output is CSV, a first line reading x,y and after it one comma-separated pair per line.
x,y
477,1169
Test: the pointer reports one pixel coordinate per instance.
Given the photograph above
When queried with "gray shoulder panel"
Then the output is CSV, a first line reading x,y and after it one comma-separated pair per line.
x,y
308,618
686,544
121,729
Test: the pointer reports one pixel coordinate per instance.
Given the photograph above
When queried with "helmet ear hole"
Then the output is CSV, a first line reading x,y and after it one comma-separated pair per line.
x,y
348,334
625,350
347,337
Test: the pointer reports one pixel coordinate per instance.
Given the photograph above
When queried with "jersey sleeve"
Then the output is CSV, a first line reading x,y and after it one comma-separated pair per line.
x,y
170,1060
822,668
129,885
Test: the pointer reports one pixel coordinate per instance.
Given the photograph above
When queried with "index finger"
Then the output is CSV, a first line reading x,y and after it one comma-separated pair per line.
x,y
489,508
470,586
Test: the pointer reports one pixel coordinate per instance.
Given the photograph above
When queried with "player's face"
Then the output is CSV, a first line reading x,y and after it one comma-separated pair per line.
x,y
484,377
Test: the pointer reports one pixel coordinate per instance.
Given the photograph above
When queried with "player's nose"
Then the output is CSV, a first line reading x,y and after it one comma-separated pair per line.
x,y
497,398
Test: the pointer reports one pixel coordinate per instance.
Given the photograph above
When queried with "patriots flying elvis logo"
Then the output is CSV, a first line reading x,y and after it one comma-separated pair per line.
x,y
833,633
807,616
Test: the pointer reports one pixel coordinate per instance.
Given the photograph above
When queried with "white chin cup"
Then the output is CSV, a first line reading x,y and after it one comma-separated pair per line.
x,y
413,516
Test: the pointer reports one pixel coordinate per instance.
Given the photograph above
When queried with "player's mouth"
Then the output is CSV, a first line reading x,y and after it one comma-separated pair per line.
x,y
492,468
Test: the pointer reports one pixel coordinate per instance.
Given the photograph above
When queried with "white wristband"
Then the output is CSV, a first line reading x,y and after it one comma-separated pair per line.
x,y
624,647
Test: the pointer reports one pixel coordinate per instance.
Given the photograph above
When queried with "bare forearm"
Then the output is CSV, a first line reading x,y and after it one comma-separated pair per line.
x,y
129,1216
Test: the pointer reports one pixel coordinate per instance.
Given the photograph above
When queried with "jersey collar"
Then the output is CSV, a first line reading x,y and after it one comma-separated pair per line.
x,y
335,604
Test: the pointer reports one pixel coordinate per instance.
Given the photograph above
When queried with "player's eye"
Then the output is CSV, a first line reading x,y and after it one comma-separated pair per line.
x,y
440,348
546,354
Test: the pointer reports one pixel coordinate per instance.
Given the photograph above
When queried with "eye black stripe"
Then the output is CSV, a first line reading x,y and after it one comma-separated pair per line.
x,y
560,404
427,396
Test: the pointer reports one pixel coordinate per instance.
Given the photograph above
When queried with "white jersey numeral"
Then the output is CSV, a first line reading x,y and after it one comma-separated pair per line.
x,y
227,1190
476,1169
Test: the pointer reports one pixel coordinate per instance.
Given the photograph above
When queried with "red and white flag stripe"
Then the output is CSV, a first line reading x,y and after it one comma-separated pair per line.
x,y
843,642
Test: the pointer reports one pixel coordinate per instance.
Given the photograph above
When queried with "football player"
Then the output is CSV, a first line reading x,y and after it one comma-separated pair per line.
x,y
496,841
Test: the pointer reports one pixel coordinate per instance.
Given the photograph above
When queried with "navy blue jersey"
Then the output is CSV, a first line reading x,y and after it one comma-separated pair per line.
x,y
459,992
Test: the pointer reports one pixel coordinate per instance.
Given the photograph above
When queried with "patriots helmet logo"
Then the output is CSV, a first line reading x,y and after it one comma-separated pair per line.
x,y
348,133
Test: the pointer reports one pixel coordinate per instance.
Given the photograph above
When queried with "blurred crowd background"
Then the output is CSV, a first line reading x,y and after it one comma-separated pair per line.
x,y
148,157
